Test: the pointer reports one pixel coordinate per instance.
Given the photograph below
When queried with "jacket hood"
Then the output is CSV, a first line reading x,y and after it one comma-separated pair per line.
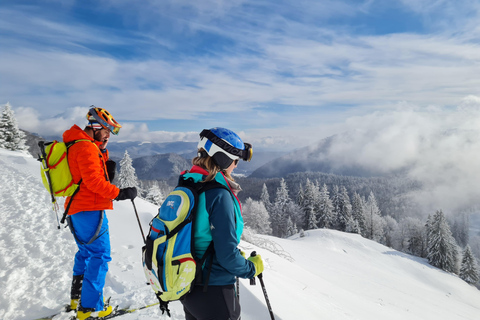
x,y
75,133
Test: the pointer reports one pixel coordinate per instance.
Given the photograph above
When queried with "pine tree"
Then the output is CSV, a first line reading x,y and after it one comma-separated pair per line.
x,y
309,205
460,229
265,198
291,228
280,211
335,196
344,210
469,269
256,217
300,196
416,237
358,206
375,224
325,213
11,138
127,177
154,195
442,248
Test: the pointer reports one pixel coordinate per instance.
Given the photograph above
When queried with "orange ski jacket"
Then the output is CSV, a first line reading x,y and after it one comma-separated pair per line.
x,y
87,162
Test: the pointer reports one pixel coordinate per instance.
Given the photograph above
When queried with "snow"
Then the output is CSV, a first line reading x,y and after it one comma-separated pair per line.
x,y
331,275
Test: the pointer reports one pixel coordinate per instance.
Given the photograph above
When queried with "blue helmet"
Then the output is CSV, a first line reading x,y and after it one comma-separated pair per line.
x,y
224,146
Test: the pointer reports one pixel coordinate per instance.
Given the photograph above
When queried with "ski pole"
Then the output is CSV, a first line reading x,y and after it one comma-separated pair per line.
x,y
260,277
238,289
138,219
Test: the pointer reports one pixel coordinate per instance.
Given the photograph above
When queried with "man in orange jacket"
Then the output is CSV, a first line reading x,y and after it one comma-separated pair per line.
x,y
88,222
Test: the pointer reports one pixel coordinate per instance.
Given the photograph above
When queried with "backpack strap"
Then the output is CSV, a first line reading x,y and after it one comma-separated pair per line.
x,y
68,145
201,187
70,202
209,252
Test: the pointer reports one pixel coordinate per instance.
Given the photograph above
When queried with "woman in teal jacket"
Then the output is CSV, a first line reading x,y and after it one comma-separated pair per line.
x,y
219,220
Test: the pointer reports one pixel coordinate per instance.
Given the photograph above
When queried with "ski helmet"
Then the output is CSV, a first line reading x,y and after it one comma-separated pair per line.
x,y
104,118
224,146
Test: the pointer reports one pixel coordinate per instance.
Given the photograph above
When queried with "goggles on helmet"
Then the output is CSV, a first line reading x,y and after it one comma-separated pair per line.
x,y
212,144
105,119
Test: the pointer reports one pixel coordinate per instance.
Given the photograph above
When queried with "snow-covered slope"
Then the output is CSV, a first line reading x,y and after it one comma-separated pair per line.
x,y
331,275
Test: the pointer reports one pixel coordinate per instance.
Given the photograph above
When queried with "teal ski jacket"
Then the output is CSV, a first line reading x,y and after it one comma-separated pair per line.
x,y
219,219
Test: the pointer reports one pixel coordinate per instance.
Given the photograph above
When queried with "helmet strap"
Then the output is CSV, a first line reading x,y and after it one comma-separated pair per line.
x,y
202,154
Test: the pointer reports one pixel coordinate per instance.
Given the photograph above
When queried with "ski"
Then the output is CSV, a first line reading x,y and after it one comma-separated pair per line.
x,y
119,312
115,313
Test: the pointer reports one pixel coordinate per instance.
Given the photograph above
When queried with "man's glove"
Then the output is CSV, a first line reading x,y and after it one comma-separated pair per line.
x,y
243,254
111,167
258,263
127,193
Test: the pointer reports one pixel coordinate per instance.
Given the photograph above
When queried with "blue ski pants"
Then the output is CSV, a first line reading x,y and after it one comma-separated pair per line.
x,y
90,229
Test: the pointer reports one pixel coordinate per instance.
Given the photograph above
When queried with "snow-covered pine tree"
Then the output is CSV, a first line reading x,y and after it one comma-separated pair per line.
x,y
391,231
469,268
295,213
335,196
416,237
344,209
279,213
442,248
375,224
127,177
265,198
358,206
291,228
300,196
326,218
460,229
154,195
256,216
309,205
11,137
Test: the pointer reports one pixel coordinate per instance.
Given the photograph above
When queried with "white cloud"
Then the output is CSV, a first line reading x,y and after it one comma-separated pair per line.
x,y
438,146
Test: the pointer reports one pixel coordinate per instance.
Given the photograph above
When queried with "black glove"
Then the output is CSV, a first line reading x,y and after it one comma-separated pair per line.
x,y
111,166
127,193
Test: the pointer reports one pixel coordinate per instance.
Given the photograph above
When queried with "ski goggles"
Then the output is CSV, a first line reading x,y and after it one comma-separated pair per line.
x,y
109,123
245,154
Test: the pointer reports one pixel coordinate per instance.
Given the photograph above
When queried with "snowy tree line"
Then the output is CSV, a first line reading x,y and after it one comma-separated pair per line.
x,y
149,190
11,137
315,206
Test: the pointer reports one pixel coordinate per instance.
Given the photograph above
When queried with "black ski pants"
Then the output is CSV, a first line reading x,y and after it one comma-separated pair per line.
x,y
218,303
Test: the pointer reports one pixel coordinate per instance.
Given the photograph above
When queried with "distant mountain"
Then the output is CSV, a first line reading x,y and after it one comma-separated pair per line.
x,y
314,158
160,166
162,162
187,150
138,149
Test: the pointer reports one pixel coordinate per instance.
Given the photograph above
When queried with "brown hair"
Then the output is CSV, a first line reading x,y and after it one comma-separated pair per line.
x,y
208,164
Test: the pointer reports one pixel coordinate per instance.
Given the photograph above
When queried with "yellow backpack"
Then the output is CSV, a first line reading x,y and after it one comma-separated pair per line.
x,y
56,175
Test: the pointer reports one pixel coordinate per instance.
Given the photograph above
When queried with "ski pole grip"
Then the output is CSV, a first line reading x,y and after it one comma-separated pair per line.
x,y
252,281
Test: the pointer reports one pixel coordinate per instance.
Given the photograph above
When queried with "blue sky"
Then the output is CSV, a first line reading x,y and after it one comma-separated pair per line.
x,y
282,74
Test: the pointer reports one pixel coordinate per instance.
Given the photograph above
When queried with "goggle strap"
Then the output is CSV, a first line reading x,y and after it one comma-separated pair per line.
x,y
112,129
244,154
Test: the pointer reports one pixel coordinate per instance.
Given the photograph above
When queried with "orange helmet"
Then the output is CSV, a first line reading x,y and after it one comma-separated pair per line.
x,y
104,118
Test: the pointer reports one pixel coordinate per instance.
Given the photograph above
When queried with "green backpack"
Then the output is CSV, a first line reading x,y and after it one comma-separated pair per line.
x,y
168,257
56,175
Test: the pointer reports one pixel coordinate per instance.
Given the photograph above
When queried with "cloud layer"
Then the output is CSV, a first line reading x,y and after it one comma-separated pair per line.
x,y
284,75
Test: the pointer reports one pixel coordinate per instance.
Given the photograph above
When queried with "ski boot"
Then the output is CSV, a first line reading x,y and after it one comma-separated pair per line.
x,y
73,304
75,292
84,313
